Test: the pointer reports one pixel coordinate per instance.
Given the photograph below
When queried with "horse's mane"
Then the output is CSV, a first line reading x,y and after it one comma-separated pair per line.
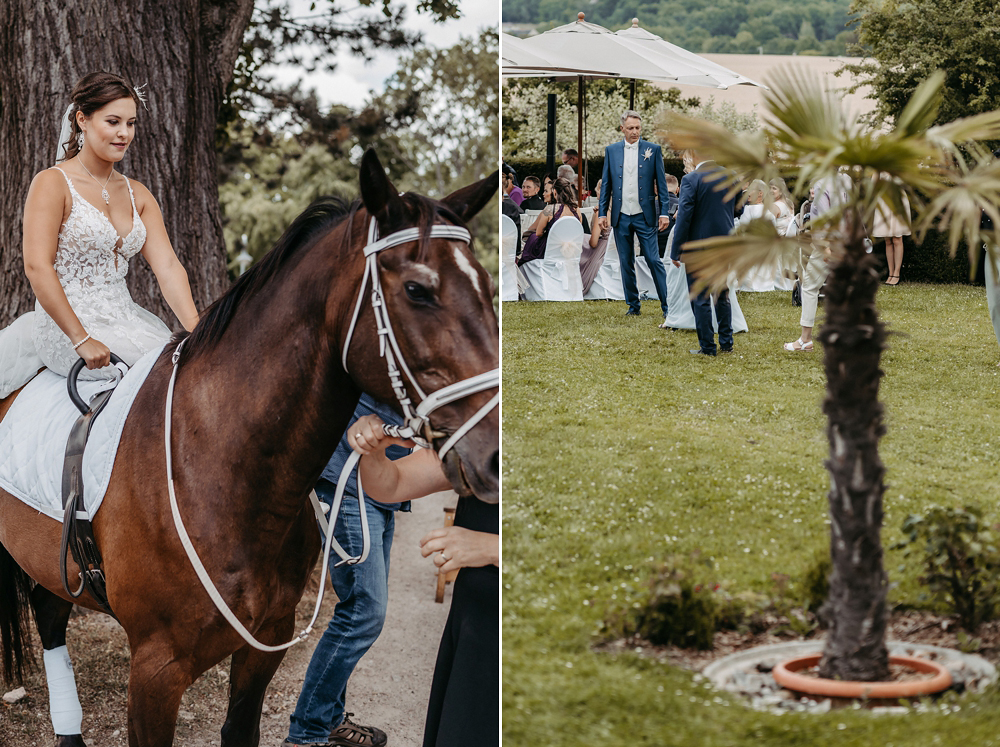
x,y
316,220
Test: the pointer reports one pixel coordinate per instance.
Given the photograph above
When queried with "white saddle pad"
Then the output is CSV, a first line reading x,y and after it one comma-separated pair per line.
x,y
34,432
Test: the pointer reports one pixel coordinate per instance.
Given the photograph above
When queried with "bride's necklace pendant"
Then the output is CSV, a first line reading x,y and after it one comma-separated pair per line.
x,y
104,187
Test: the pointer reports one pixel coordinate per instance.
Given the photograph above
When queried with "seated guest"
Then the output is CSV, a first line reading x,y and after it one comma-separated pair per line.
x,y
509,208
566,172
673,188
594,248
511,189
532,189
564,194
571,158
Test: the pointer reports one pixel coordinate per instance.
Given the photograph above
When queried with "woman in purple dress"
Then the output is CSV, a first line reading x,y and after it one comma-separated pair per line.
x,y
564,203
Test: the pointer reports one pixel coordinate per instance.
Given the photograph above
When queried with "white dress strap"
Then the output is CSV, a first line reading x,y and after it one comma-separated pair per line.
x,y
131,195
66,177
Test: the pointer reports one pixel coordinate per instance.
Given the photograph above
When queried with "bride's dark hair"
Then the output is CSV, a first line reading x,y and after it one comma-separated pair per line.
x,y
92,92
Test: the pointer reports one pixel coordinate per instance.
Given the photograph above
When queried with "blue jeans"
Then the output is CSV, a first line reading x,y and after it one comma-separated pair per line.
x,y
363,593
635,225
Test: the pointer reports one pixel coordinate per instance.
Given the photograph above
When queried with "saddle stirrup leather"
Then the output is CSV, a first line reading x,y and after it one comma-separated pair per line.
x,y
78,534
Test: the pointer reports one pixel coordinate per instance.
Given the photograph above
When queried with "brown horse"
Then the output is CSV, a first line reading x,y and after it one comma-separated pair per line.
x,y
261,401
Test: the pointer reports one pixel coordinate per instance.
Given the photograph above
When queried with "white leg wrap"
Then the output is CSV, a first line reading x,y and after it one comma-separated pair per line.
x,y
64,704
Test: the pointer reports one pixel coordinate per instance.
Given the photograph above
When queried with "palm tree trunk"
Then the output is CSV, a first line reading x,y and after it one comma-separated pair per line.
x,y
853,339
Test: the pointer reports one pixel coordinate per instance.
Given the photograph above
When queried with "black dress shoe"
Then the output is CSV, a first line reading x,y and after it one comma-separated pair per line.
x,y
725,350
632,313
699,351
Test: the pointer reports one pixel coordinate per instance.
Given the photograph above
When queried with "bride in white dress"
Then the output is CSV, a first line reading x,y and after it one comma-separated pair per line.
x,y
83,221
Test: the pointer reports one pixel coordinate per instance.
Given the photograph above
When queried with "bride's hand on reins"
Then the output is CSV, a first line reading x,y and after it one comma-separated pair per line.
x,y
95,353
367,437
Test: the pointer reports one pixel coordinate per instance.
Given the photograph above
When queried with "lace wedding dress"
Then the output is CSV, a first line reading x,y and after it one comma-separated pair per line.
x,y
91,263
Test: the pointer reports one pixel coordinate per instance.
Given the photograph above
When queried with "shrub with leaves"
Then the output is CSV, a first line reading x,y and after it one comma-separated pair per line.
x,y
961,562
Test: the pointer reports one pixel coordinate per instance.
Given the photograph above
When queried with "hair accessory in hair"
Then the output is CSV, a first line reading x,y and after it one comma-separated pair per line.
x,y
141,94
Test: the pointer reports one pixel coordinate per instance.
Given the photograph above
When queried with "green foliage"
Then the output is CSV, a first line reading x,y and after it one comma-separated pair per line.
x,y
816,581
434,128
958,553
729,26
907,40
525,114
678,611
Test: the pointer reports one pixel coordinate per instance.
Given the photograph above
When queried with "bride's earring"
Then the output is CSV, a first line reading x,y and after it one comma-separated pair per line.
x,y
79,141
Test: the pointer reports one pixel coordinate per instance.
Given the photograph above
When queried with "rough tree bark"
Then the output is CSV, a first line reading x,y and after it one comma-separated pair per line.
x,y
853,340
185,51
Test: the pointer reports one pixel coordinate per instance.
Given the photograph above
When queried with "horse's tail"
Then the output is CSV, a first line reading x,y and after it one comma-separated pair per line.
x,y
15,637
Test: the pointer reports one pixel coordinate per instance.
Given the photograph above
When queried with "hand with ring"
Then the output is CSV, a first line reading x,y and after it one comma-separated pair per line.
x,y
458,547
366,435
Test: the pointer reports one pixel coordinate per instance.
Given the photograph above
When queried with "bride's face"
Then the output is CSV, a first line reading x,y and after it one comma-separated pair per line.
x,y
109,131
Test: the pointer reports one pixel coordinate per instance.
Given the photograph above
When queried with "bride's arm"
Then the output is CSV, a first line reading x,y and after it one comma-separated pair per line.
x,y
170,273
43,215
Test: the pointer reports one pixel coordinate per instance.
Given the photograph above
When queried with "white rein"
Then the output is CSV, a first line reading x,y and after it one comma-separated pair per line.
x,y
417,421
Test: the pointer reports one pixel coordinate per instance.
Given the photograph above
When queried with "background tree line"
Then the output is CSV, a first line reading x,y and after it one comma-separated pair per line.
x,y
724,26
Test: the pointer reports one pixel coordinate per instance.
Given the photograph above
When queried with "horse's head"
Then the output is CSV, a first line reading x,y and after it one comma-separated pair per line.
x,y
439,301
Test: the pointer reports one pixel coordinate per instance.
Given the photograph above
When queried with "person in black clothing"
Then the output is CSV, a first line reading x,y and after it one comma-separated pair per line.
x,y
464,703
532,188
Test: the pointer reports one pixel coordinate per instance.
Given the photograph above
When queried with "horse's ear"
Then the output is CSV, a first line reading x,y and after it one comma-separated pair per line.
x,y
376,189
468,201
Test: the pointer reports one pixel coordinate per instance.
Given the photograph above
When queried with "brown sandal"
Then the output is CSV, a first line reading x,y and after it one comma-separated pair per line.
x,y
350,734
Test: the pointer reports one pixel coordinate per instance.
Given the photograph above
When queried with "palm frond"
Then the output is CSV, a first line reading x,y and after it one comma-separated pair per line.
x,y
922,108
746,154
985,126
714,260
958,208
800,112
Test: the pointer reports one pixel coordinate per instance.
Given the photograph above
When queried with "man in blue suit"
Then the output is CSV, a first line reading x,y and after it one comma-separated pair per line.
x,y
704,211
632,168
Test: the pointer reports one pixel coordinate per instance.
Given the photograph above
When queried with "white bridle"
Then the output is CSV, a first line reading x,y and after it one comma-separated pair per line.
x,y
417,421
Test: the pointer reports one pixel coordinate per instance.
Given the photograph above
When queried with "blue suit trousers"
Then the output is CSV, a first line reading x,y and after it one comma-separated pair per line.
x,y
628,227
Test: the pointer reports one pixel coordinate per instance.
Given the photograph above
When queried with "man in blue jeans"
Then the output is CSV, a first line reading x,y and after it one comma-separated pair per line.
x,y
362,590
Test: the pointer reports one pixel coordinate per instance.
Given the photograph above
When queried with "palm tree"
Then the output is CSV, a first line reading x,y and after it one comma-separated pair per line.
x,y
949,178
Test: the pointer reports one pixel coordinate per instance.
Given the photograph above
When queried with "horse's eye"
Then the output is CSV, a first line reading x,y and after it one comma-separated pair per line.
x,y
418,293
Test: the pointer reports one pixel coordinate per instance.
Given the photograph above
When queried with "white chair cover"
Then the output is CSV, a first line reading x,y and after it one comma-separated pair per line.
x,y
527,218
508,252
556,277
607,285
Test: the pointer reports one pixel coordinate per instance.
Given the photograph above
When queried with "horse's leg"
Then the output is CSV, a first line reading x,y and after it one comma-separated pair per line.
x,y
52,617
157,680
249,676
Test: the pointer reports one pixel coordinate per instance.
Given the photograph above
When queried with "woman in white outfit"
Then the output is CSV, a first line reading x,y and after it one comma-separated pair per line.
x,y
83,221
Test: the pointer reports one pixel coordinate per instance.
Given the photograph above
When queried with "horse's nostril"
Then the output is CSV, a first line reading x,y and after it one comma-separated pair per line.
x,y
495,463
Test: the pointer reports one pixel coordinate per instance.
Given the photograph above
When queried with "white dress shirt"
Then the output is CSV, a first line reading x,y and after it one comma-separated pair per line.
x,y
630,180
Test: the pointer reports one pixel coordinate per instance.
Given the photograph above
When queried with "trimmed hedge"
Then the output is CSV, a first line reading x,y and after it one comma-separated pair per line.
x,y
926,263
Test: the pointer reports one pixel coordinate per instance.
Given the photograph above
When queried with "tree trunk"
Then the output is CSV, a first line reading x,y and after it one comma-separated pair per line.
x,y
185,51
853,339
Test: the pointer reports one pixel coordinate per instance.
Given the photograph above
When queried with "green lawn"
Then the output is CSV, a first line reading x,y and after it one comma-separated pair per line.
x,y
621,449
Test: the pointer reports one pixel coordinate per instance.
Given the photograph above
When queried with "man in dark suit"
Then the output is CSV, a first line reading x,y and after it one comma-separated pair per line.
x,y
703,211
634,201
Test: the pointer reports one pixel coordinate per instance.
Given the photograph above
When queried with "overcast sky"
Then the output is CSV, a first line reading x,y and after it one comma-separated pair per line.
x,y
353,79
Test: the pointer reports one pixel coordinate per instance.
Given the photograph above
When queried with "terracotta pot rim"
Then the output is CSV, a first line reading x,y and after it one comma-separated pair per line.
x,y
786,674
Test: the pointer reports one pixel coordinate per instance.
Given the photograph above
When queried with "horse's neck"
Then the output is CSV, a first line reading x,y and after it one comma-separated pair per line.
x,y
273,386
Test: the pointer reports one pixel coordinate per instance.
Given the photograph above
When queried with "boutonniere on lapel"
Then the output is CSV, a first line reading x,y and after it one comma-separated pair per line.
x,y
647,153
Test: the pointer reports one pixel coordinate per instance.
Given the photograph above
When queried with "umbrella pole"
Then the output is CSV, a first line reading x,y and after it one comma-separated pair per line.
x,y
631,94
579,136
